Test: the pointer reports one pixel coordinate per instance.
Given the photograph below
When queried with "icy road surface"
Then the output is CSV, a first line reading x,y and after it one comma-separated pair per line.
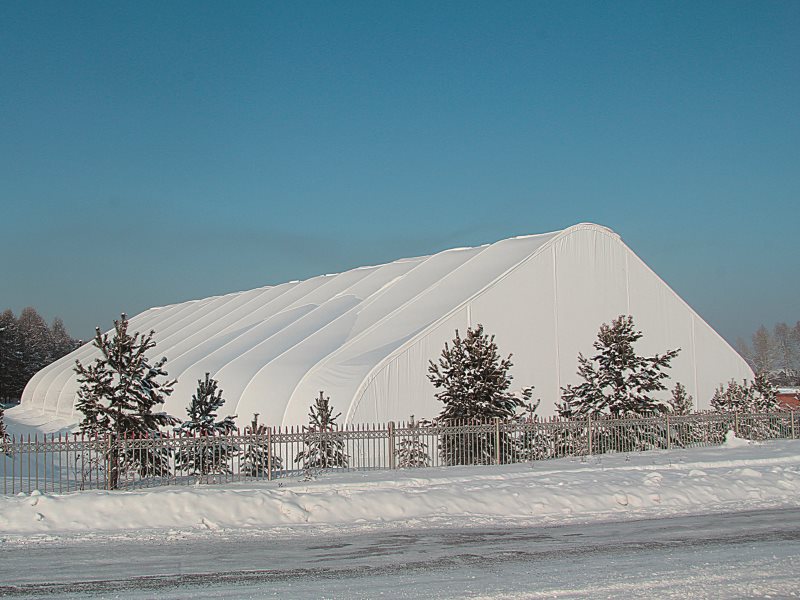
x,y
731,555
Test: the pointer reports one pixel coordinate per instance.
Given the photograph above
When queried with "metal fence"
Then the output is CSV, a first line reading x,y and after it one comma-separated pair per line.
x,y
65,463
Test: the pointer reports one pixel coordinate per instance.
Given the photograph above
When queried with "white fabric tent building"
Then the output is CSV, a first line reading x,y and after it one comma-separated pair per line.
x,y
365,336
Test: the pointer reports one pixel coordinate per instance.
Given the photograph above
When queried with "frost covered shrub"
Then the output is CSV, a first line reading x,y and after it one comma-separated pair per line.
x,y
324,448
746,398
680,403
255,458
412,451
207,452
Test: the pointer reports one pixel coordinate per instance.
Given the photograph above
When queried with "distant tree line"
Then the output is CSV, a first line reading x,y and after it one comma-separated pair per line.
x,y
27,344
775,353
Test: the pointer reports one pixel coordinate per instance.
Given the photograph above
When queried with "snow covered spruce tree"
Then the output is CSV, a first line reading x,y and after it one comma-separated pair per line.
x,y
683,431
746,398
412,451
680,403
474,384
324,447
256,460
208,452
617,381
536,442
118,395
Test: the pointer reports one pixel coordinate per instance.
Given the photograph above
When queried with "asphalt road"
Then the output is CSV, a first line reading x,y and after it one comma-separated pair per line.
x,y
744,554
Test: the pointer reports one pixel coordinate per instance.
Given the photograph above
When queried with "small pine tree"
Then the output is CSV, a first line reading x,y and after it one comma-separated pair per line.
x,y
617,381
412,452
256,460
766,393
536,442
681,403
324,449
206,456
118,395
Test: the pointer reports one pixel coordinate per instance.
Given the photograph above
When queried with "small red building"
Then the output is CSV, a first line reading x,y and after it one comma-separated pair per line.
x,y
789,398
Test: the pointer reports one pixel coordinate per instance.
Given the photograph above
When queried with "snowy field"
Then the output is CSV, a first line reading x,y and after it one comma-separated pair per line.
x,y
713,522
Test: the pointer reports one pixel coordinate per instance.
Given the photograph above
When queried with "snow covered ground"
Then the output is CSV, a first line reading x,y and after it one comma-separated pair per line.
x,y
727,519
736,476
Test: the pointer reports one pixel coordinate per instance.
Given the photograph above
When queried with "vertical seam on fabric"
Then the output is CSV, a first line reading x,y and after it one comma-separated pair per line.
x,y
627,285
555,317
694,361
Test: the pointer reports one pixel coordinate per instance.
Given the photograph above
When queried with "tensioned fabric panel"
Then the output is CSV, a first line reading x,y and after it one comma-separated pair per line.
x,y
519,311
250,359
347,366
591,289
420,314
258,324
222,352
401,388
224,324
279,377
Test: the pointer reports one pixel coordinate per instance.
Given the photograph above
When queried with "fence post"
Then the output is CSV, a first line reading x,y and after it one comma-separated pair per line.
x,y
392,455
589,432
736,423
792,424
269,453
497,440
669,433
109,462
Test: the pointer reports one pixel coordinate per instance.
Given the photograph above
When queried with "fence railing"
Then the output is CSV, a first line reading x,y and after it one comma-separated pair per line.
x,y
61,463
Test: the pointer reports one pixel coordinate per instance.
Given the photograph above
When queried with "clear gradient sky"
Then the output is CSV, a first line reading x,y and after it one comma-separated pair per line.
x,y
154,152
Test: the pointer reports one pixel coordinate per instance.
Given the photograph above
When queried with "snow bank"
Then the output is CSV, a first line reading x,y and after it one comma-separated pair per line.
x,y
663,483
731,441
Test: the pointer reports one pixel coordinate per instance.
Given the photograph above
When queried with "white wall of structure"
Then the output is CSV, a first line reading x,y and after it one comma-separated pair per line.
x,y
365,336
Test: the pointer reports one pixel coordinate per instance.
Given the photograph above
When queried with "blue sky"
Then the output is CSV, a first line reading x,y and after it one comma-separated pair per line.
x,y
156,152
